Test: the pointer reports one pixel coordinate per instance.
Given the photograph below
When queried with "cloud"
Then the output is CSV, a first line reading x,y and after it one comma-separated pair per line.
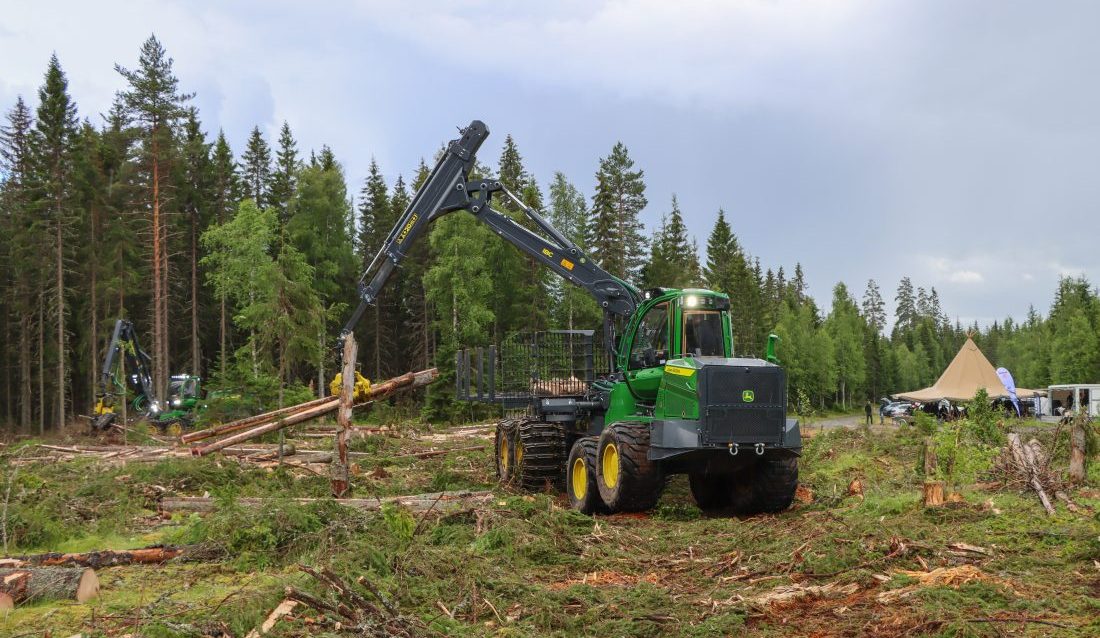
x,y
965,277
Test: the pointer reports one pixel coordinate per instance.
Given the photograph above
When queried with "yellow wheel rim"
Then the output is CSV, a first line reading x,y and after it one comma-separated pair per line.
x,y
175,429
610,463
519,453
504,455
580,479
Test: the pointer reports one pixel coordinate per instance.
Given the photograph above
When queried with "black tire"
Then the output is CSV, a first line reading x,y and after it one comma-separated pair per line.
x,y
580,477
504,450
539,455
628,481
775,483
711,491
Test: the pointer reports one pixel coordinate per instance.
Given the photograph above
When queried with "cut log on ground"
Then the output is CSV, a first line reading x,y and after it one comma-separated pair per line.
x,y
436,501
112,558
6,602
384,389
49,583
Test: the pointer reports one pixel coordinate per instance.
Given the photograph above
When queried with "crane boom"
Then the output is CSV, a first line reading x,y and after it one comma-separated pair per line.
x,y
447,189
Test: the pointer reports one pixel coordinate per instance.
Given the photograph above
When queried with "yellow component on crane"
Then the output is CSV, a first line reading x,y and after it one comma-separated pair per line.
x,y
360,391
103,408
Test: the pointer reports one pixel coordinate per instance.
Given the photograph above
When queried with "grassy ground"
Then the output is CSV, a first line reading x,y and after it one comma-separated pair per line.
x,y
528,566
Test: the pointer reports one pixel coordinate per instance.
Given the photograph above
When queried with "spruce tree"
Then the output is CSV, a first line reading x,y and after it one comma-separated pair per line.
x,y
320,229
154,102
575,309
24,242
874,308
673,261
616,237
846,329
256,169
375,222
224,195
53,141
905,313
196,204
284,180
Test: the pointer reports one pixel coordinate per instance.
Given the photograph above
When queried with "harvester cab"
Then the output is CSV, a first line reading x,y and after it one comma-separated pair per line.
x,y
610,414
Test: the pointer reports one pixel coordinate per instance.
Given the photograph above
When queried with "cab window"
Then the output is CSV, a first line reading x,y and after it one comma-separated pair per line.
x,y
650,347
703,333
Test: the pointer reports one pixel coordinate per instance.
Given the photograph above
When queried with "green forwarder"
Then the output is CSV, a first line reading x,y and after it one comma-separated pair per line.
x,y
610,415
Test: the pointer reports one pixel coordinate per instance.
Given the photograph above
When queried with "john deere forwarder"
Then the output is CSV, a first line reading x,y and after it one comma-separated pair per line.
x,y
663,394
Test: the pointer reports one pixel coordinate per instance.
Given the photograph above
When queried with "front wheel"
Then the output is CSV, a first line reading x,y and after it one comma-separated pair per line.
x,y
580,479
628,481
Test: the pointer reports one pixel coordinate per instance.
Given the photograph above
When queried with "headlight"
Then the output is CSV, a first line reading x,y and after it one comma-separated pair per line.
x,y
177,403
691,301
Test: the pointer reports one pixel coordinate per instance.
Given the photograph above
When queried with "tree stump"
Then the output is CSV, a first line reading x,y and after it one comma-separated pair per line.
x,y
933,493
49,583
930,460
1077,444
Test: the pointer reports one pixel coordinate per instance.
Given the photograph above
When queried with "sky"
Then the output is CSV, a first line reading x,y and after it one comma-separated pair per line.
x,y
954,142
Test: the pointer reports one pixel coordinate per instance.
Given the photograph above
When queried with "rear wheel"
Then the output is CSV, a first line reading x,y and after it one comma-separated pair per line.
x,y
505,448
711,491
580,477
539,455
628,481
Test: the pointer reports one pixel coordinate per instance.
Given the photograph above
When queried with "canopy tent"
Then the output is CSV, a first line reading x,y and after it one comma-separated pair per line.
x,y
967,372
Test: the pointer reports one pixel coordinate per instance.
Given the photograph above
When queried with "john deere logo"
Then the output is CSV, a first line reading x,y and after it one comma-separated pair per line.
x,y
748,396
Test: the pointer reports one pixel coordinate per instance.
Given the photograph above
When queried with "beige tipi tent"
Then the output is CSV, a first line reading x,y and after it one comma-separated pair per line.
x,y
968,371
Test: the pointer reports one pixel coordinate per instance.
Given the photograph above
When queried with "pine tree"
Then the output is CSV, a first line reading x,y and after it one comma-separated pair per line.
x,y
285,178
616,237
153,100
53,141
417,341
256,169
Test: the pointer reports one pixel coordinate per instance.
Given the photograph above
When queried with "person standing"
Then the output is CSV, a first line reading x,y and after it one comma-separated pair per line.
x,y
867,412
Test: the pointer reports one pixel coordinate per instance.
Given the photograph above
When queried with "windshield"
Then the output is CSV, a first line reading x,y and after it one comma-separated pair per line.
x,y
703,333
650,346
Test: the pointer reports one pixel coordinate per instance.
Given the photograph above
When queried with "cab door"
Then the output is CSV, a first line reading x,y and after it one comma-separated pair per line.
x,y
650,349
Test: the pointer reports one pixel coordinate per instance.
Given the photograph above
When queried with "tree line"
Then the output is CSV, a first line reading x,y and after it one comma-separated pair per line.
x,y
242,268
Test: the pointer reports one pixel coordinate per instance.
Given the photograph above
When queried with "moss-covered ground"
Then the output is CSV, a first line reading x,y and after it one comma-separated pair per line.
x,y
528,566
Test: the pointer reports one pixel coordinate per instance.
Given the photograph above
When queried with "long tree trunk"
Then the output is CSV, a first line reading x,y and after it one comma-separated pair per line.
x,y
377,340
41,365
196,354
60,322
221,337
158,293
25,372
94,266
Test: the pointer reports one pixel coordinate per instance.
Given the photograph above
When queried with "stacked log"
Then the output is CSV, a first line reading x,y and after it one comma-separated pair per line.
x,y
279,419
1027,463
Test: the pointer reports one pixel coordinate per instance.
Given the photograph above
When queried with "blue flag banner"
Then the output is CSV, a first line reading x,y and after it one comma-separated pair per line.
x,y
1010,385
